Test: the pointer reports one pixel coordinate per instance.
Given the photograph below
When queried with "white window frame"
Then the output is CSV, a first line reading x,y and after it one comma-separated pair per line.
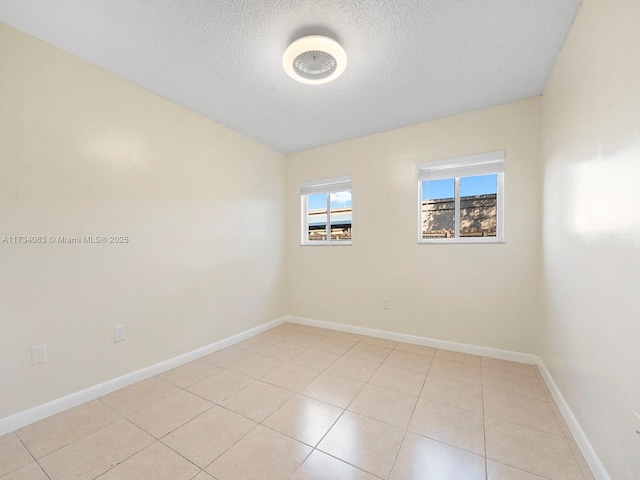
x,y
328,186
482,164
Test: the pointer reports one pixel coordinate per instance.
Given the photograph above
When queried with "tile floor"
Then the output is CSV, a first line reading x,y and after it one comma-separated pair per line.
x,y
308,403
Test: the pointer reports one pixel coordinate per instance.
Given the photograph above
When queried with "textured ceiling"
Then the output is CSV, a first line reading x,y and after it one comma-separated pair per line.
x,y
409,61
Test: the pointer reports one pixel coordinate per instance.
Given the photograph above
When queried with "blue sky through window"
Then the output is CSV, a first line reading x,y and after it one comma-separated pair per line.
x,y
477,185
338,200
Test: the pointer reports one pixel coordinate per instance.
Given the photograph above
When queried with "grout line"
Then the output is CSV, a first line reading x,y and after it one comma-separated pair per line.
x,y
43,471
345,409
81,437
350,464
406,430
35,460
484,436
133,454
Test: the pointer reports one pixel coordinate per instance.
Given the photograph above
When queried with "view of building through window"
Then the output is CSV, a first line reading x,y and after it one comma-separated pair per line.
x,y
478,207
338,205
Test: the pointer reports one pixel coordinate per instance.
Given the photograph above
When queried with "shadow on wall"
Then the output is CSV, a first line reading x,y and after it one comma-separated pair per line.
x,y
478,217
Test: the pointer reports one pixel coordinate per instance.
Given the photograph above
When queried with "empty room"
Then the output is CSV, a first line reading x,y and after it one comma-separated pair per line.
x,y
320,240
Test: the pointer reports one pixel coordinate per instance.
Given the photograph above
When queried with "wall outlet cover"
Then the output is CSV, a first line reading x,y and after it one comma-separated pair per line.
x,y
119,333
38,354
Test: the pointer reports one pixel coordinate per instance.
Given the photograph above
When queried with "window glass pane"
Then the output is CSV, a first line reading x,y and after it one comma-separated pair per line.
x,y
478,206
438,208
341,215
317,217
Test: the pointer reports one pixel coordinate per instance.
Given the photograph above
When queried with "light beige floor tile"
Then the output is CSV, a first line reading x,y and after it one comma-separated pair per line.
x,y
203,476
521,410
190,373
408,361
139,395
371,353
319,331
531,450
289,327
457,394
305,339
398,379
386,405
156,462
338,391
166,415
560,419
545,388
227,357
96,453
582,462
417,349
30,472
284,351
366,443
271,335
334,344
13,454
291,376
304,419
458,357
206,437
450,425
317,359
422,458
258,400
50,434
352,337
255,345
354,368
509,367
379,342
500,471
256,366
221,386
320,466
512,383
460,372
262,454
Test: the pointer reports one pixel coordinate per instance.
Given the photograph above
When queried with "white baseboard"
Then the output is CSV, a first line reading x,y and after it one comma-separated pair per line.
x,y
581,439
429,342
26,417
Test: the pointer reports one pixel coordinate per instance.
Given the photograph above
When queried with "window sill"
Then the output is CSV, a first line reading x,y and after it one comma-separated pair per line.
x,y
470,240
321,243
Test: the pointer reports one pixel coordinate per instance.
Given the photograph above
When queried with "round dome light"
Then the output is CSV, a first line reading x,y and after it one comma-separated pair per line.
x,y
314,60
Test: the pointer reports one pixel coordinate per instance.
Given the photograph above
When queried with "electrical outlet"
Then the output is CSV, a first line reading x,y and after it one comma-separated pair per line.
x,y
38,354
119,333
385,303
636,425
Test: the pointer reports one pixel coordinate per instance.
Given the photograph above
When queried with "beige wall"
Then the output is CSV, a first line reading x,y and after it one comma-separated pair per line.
x,y
591,154
85,153
478,294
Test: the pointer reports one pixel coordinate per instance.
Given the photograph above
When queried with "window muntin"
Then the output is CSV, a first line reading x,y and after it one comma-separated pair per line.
x,y
461,200
326,203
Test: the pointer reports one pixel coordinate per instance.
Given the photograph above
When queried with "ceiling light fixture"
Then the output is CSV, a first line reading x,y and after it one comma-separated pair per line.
x,y
314,60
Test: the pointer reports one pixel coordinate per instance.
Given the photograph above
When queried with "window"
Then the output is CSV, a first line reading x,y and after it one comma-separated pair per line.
x,y
461,199
326,212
